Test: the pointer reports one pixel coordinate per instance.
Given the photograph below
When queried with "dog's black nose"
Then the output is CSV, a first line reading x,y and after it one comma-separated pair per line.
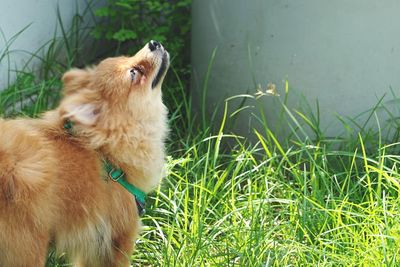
x,y
153,45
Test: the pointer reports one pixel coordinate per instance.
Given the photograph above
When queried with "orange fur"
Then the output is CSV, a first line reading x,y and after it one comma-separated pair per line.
x,y
52,185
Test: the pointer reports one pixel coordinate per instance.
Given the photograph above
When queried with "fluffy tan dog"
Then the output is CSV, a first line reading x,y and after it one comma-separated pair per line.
x,y
53,186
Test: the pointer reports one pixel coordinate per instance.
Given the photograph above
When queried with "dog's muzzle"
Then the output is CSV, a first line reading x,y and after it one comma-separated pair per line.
x,y
156,47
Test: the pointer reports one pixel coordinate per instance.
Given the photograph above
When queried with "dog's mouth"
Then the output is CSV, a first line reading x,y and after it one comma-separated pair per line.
x,y
162,69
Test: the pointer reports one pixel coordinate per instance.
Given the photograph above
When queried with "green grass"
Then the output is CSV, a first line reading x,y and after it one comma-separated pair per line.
x,y
303,201
299,203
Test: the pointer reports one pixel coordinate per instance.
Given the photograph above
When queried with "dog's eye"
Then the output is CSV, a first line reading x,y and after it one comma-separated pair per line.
x,y
134,74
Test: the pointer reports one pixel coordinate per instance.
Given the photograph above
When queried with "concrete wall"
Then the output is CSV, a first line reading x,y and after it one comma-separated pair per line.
x,y
41,15
344,53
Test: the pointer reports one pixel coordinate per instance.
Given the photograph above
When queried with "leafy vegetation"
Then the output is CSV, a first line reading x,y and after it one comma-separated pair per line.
x,y
129,24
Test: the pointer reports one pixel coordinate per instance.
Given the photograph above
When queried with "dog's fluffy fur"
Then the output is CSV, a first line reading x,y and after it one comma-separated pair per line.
x,y
53,189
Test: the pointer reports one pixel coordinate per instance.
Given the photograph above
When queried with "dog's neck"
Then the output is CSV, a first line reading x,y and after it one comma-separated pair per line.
x,y
137,167
136,147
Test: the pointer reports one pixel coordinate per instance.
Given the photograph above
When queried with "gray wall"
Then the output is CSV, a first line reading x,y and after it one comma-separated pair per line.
x,y
344,53
41,15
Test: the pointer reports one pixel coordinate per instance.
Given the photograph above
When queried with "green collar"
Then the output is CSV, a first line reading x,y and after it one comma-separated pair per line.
x,y
117,175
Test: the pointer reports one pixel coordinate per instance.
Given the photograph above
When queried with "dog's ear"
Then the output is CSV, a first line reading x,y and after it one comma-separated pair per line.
x,y
80,108
76,79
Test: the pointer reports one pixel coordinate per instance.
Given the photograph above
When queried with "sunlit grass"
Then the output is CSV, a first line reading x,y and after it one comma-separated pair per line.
x,y
267,204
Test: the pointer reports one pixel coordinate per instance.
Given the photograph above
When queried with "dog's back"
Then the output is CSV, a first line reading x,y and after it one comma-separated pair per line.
x,y
51,191
27,163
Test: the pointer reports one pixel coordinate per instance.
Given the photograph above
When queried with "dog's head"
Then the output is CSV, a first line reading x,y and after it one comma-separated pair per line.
x,y
117,90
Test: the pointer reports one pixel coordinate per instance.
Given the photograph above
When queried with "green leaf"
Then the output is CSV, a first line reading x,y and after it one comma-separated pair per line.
x,y
123,35
102,12
124,5
97,33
